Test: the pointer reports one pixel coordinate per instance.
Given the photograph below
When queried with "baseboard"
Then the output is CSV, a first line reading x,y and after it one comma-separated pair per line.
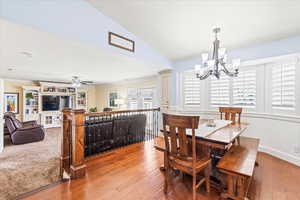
x,y
279,154
28,194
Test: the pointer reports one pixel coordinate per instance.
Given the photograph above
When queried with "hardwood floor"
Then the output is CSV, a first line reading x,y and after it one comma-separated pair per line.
x,y
133,173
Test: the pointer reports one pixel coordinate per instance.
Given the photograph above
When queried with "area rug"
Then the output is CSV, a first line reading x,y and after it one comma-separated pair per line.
x,y
27,167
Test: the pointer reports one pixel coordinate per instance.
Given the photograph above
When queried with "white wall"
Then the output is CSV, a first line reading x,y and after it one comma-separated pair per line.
x,y
1,114
90,26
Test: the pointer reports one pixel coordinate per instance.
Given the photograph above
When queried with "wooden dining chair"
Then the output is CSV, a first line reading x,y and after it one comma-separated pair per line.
x,y
231,113
178,148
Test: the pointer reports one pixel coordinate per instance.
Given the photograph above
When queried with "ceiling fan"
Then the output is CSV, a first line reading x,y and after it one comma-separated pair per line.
x,y
76,82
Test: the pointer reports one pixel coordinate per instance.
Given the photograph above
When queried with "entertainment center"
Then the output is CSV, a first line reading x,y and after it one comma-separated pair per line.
x,y
44,103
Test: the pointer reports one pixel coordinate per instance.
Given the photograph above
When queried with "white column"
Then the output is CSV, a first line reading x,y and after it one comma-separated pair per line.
x,y
1,114
165,89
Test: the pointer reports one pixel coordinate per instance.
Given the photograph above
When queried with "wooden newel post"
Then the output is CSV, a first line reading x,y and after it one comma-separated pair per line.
x,y
78,166
65,146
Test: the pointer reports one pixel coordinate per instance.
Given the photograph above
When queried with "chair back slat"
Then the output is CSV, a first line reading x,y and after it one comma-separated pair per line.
x,y
182,142
227,114
231,113
173,140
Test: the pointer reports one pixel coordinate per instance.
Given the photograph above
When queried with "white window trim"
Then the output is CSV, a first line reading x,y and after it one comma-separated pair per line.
x,y
268,90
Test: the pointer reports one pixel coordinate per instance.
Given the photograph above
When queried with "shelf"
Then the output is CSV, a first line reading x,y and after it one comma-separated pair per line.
x,y
58,93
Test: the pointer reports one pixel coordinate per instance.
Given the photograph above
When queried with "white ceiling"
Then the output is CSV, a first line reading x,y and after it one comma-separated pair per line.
x,y
183,28
58,59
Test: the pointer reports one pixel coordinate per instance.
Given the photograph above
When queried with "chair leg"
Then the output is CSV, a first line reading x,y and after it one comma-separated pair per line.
x,y
194,186
238,139
167,173
182,176
207,179
163,167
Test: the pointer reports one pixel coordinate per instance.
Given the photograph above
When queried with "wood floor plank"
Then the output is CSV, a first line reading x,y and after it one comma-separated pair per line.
x,y
133,172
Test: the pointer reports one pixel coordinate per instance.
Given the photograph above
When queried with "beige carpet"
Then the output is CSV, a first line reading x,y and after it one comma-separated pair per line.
x,y
24,168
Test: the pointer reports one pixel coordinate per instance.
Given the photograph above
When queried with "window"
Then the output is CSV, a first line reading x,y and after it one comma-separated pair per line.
x,y
191,89
283,86
244,89
269,85
112,99
132,97
140,98
147,97
219,91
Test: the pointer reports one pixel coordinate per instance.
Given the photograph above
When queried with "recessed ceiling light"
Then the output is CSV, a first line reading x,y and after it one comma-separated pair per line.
x,y
25,53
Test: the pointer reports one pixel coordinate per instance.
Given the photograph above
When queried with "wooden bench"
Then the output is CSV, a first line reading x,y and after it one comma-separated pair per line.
x,y
238,164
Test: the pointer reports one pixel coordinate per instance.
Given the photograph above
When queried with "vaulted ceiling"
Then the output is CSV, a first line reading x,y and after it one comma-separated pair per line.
x,y
67,37
30,54
180,29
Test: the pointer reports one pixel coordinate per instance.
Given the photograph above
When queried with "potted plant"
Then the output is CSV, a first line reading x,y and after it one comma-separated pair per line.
x,y
94,109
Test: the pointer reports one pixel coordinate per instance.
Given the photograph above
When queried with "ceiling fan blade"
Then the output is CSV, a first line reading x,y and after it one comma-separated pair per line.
x,y
60,82
87,82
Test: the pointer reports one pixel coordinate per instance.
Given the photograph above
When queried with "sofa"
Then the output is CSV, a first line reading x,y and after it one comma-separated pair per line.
x,y
110,132
23,133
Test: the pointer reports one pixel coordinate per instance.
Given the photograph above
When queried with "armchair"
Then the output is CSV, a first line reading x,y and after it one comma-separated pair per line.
x,y
23,133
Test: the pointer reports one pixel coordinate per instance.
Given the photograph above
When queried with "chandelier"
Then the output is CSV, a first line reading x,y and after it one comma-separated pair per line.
x,y
217,63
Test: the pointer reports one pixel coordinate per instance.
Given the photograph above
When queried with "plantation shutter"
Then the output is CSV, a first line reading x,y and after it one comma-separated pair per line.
x,y
146,95
132,96
191,89
283,86
244,89
219,91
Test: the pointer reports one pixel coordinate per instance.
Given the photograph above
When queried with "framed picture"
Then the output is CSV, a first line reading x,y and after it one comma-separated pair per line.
x,y
11,102
121,42
112,99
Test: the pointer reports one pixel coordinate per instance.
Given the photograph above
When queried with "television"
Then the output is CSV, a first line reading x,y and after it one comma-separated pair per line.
x,y
50,103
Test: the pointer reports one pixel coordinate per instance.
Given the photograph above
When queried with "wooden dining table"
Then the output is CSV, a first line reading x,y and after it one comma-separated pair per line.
x,y
218,141
221,138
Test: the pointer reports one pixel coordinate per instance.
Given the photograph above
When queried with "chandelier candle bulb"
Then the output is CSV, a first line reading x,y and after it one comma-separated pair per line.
x,y
222,52
236,63
204,57
225,58
197,68
211,63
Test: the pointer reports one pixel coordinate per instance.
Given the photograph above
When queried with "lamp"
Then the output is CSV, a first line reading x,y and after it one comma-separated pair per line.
x,y
119,102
